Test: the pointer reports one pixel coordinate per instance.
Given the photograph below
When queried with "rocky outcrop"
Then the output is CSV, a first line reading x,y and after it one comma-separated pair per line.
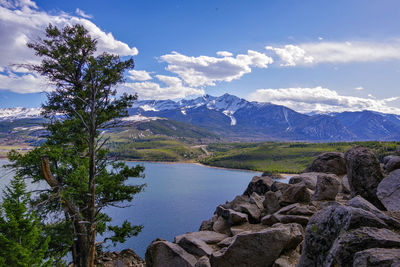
x,y
125,258
312,221
364,174
259,248
327,187
393,163
330,162
389,191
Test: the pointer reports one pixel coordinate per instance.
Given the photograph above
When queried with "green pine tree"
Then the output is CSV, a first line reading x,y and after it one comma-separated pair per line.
x,y
22,239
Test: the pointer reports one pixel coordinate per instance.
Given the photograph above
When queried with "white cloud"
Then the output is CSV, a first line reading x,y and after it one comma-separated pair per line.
x,y
21,21
150,90
359,88
336,52
320,38
139,75
322,99
224,54
26,83
205,70
81,13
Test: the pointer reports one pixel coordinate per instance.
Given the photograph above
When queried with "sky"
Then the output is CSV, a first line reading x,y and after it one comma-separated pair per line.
x,y
309,55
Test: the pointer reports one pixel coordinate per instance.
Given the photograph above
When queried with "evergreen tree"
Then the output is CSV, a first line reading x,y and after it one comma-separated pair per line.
x,y
22,239
81,179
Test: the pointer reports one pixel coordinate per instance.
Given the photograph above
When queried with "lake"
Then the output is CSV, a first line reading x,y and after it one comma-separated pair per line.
x,y
178,197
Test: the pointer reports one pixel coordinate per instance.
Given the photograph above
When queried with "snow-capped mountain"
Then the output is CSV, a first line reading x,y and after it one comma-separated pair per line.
x,y
238,119
19,113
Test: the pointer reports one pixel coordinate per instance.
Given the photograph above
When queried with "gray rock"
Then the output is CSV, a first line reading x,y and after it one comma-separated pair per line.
x,y
382,257
260,248
210,237
359,202
309,179
393,164
364,174
203,262
257,200
284,218
164,253
326,225
348,243
299,209
269,220
288,259
329,162
231,216
271,202
345,185
206,225
327,187
222,226
195,246
253,212
226,242
389,191
259,184
387,158
296,193
279,186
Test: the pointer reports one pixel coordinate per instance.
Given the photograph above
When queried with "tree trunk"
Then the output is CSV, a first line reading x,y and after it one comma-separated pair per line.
x,y
82,244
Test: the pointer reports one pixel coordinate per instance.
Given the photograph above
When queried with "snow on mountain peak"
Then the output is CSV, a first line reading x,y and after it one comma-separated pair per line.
x,y
19,113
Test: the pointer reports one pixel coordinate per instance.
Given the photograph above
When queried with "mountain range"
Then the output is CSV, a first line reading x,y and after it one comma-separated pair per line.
x,y
237,119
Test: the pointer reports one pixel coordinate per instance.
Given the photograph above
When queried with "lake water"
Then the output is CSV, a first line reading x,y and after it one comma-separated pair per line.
x,y
178,197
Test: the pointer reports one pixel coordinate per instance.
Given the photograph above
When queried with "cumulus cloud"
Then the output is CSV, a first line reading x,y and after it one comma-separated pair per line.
x,y
139,75
336,52
81,13
206,70
27,83
21,21
359,88
173,89
322,100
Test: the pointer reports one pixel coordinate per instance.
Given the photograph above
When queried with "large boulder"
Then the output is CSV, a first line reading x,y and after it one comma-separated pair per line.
x,y
327,187
389,191
345,186
243,204
195,246
383,257
329,162
203,262
259,248
348,243
325,227
126,257
296,193
364,174
271,202
232,217
392,164
259,184
359,202
210,237
309,179
162,253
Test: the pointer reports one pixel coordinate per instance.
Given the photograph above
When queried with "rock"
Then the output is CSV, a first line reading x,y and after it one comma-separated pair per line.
x,y
329,162
231,216
209,237
253,212
257,200
203,262
348,243
271,202
269,220
383,257
259,184
326,225
309,179
206,225
327,187
364,174
359,202
260,248
164,253
288,259
392,164
296,193
226,242
387,158
279,186
389,191
195,246
298,209
345,189
247,227
222,226
284,218
126,257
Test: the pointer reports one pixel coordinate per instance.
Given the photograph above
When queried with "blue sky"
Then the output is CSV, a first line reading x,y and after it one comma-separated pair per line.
x,y
308,55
